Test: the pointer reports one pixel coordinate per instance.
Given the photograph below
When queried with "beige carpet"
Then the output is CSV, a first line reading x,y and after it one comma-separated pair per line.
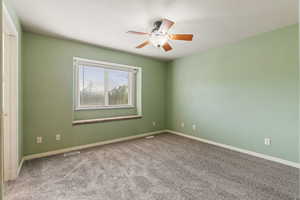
x,y
167,167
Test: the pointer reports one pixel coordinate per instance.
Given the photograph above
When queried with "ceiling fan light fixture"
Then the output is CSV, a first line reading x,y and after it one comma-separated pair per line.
x,y
158,39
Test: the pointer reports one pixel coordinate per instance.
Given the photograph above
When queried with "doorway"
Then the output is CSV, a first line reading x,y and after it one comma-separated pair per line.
x,y
10,97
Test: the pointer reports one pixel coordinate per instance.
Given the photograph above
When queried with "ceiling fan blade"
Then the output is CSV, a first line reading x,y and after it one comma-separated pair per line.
x,y
167,47
137,33
166,25
186,37
143,44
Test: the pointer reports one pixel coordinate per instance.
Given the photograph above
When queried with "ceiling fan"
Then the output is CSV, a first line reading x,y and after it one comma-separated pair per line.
x,y
159,35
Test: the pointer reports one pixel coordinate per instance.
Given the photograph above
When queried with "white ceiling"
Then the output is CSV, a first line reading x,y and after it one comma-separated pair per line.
x,y
105,22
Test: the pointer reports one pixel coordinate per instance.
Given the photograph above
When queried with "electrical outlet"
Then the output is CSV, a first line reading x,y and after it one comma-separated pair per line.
x,y
267,141
182,124
57,137
39,140
194,127
153,123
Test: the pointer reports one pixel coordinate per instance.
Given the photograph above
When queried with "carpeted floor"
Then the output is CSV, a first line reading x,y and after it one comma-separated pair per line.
x,y
167,167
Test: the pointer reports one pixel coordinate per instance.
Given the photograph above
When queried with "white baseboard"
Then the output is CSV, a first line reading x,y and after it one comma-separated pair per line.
x,y
252,153
76,148
20,166
14,174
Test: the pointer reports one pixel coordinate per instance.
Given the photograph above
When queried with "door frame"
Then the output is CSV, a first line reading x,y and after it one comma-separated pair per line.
x,y
10,62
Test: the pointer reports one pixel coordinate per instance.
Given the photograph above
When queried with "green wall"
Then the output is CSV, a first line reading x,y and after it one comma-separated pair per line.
x,y
240,94
48,95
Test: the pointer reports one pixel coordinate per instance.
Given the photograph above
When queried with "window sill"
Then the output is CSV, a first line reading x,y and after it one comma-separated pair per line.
x,y
107,119
105,108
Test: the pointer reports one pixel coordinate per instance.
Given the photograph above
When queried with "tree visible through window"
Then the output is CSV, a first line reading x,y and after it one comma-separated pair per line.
x,y
101,86
118,87
91,84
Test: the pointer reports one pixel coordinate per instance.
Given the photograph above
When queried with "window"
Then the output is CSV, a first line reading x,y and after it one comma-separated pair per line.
x,y
102,85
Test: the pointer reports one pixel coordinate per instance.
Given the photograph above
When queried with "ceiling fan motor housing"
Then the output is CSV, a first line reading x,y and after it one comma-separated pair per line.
x,y
156,25
157,38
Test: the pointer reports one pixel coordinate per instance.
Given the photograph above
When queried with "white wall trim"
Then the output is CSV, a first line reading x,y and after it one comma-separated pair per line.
x,y
20,166
252,153
104,63
106,119
76,148
11,151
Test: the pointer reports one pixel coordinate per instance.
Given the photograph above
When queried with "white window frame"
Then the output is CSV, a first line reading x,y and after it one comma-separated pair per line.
x,y
132,84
